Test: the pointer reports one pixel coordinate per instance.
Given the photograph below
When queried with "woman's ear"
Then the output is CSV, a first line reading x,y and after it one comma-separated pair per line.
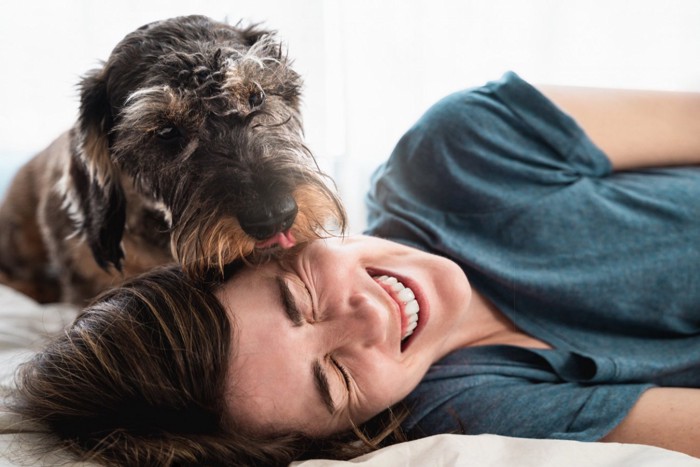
x,y
101,202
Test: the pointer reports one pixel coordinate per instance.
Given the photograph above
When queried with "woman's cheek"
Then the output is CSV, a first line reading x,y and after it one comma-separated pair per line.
x,y
384,387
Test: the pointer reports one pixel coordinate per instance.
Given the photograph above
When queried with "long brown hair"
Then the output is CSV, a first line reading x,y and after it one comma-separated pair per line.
x,y
138,379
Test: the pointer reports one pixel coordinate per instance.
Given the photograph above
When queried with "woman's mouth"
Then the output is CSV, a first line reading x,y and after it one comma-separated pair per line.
x,y
406,299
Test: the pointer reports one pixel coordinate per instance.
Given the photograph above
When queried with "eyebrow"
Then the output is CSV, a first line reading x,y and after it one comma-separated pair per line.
x,y
323,387
288,302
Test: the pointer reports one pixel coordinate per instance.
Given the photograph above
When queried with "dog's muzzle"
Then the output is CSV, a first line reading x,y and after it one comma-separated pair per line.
x,y
269,219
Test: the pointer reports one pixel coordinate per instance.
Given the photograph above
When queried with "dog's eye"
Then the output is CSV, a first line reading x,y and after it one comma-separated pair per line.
x,y
168,133
203,74
256,99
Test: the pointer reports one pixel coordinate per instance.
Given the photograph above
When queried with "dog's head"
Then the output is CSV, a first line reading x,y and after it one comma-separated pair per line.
x,y
202,118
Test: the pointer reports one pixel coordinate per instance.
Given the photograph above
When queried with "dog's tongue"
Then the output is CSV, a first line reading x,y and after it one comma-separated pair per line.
x,y
283,240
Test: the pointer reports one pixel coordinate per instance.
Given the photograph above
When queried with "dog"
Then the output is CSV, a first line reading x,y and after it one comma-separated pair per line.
x,y
188,147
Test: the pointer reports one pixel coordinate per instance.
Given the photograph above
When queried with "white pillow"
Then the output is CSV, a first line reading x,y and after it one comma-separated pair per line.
x,y
503,451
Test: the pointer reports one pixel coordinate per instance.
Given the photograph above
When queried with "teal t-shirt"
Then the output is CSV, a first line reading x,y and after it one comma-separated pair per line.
x,y
604,266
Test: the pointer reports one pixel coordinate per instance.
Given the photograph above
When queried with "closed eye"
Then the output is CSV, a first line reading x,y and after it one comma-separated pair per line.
x,y
294,305
289,304
324,386
344,372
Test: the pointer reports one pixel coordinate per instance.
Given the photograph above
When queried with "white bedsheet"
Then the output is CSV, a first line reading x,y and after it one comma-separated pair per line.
x,y
24,325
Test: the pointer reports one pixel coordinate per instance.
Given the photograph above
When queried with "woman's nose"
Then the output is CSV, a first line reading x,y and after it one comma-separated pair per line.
x,y
365,321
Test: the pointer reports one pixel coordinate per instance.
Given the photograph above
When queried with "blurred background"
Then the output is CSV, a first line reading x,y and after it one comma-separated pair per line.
x,y
371,67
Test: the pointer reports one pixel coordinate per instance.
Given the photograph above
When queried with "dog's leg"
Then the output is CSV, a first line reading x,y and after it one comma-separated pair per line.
x,y
24,263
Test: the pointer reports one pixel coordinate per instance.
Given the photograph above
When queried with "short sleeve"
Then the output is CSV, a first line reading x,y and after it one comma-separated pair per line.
x,y
480,151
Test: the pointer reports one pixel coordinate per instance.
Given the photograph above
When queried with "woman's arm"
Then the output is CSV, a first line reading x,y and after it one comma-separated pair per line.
x,y
664,417
635,128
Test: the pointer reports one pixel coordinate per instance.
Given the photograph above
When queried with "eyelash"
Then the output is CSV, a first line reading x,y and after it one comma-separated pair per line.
x,y
343,371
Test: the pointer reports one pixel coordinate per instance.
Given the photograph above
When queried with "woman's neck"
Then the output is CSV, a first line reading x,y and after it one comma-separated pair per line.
x,y
485,324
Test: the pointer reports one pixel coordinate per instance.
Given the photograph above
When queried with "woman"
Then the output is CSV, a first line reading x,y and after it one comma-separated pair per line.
x,y
537,285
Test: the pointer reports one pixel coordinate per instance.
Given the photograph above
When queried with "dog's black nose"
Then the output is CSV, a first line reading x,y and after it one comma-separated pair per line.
x,y
266,220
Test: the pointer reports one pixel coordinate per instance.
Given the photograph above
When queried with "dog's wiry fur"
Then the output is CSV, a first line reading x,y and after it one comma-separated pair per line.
x,y
189,124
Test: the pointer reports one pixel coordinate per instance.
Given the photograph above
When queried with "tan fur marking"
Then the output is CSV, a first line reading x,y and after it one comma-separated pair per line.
x,y
222,241
95,156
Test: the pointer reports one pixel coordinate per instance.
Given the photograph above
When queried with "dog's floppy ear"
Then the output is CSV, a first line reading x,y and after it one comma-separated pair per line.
x,y
101,197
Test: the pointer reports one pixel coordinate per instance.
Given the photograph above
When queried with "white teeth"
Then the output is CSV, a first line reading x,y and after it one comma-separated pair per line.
x,y
406,296
412,307
388,280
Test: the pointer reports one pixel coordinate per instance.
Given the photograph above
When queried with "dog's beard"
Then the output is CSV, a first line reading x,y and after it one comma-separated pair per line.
x,y
206,242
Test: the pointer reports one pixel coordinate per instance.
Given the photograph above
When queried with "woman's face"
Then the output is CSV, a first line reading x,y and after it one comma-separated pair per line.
x,y
328,338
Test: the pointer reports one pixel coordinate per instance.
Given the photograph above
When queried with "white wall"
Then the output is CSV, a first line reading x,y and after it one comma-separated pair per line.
x,y
399,57
371,66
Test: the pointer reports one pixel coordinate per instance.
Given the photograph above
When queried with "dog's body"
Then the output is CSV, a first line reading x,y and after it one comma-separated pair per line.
x,y
43,256
188,147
